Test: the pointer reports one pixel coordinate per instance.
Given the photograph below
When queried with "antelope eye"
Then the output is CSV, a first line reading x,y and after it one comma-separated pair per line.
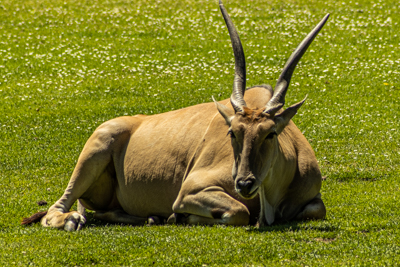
x,y
231,134
270,135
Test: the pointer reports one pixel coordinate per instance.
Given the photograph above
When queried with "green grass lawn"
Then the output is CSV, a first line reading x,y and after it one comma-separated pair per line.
x,y
67,66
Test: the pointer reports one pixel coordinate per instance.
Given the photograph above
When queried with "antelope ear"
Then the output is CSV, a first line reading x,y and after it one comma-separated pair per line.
x,y
281,120
226,112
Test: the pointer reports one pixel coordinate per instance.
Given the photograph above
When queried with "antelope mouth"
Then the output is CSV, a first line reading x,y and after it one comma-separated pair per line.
x,y
247,195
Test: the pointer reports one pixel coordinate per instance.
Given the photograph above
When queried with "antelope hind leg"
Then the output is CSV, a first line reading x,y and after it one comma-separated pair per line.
x,y
70,221
314,210
86,172
210,206
90,172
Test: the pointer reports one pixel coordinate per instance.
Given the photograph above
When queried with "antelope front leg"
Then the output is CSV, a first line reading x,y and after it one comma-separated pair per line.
x,y
209,206
90,168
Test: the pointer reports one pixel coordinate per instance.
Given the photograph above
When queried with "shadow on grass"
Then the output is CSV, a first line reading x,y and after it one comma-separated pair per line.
x,y
91,222
293,227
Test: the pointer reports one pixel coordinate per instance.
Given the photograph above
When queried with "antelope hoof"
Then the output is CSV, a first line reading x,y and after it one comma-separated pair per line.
x,y
177,218
153,220
74,222
172,219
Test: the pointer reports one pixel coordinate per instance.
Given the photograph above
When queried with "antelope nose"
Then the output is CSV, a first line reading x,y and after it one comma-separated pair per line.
x,y
244,187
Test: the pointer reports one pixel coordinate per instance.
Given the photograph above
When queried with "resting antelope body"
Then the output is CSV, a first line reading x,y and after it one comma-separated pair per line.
x,y
242,162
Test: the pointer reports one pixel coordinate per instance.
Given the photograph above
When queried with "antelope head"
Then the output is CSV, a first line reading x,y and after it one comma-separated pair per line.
x,y
254,132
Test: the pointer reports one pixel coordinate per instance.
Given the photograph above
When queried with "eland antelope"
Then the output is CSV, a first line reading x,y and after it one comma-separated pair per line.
x,y
242,162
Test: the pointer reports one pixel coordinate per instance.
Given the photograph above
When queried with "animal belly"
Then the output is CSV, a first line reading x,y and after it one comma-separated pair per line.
x,y
148,197
152,176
